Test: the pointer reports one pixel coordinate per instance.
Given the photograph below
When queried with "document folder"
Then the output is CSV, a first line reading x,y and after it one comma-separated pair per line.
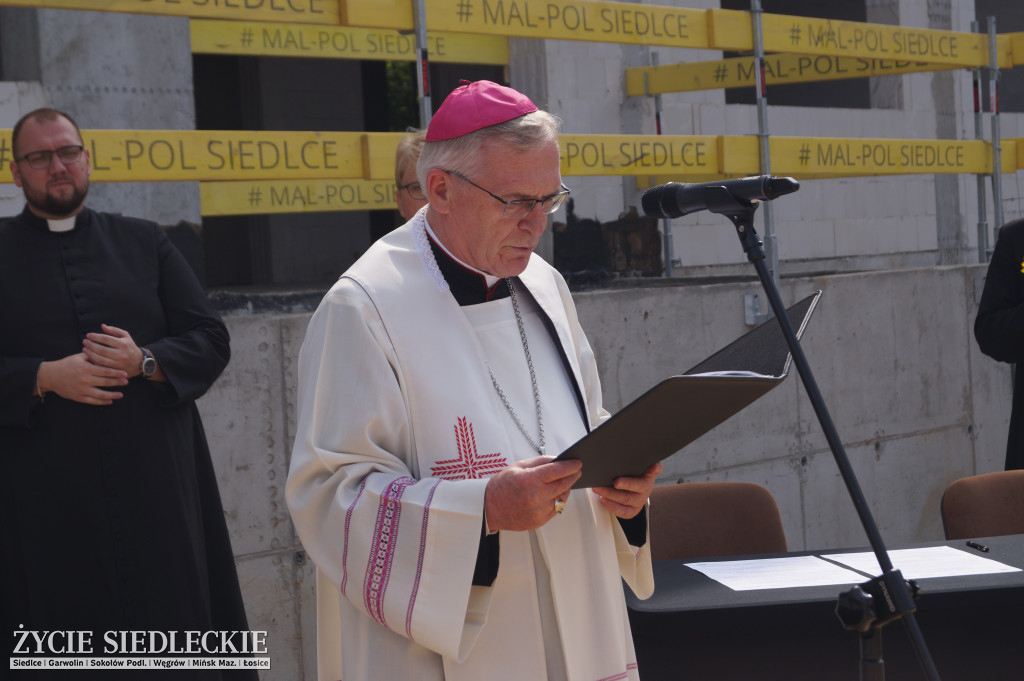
x,y
679,409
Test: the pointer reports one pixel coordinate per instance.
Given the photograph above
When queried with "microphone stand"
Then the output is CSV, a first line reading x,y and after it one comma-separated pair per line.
x,y
869,606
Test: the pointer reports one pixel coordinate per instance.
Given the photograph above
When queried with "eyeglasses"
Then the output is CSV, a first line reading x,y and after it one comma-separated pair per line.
x,y
414,190
42,159
518,209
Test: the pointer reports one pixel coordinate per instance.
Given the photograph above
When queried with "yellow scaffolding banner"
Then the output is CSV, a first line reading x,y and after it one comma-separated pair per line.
x,y
836,157
585,155
779,69
339,42
292,11
182,155
819,157
1016,41
731,30
252,156
589,20
300,196
378,150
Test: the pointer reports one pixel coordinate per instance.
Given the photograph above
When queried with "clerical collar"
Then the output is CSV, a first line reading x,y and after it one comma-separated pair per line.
x,y
489,279
46,225
62,225
469,285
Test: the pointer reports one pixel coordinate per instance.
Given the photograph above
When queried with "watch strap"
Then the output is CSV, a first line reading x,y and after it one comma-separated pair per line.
x,y
148,366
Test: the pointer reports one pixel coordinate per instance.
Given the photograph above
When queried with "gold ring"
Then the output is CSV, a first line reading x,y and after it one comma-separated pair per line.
x,y
559,505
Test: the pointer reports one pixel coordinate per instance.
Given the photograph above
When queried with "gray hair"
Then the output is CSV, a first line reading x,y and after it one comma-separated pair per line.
x,y
531,131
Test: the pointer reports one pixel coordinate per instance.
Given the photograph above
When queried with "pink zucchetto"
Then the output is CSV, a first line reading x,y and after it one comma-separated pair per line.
x,y
472,106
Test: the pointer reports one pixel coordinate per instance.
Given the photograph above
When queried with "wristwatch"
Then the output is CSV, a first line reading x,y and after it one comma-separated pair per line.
x,y
148,366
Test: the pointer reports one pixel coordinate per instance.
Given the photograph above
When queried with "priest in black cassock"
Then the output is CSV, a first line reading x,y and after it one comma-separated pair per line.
x,y
110,516
999,326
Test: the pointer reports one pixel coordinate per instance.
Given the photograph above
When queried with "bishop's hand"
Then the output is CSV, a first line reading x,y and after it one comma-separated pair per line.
x,y
628,496
522,496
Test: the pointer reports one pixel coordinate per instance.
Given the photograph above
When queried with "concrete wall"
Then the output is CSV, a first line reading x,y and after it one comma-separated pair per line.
x,y
249,416
895,360
914,401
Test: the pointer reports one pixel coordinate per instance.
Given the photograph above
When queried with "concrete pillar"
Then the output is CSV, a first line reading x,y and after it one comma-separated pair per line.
x,y
950,223
886,91
528,73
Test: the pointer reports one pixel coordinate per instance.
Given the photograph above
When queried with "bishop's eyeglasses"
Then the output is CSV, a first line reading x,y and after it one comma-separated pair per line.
x,y
42,159
517,209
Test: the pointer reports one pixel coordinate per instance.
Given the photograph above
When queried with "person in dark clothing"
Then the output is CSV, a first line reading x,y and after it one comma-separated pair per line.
x,y
999,326
110,516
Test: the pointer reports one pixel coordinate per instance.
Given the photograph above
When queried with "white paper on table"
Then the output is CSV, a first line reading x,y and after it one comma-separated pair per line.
x,y
776,573
934,561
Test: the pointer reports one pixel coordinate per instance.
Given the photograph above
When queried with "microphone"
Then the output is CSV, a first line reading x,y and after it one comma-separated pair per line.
x,y
675,199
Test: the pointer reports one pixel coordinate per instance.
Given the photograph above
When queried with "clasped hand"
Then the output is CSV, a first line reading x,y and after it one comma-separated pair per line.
x,y
113,349
107,360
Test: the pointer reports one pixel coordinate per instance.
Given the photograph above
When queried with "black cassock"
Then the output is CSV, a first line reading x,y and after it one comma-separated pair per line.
x,y
110,516
999,326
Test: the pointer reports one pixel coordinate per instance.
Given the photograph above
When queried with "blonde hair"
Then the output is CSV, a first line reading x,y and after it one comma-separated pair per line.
x,y
407,154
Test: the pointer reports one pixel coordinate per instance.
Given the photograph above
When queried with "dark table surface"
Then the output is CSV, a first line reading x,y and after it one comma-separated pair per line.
x,y
696,628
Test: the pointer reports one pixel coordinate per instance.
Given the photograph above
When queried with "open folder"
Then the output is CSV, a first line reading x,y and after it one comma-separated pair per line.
x,y
678,410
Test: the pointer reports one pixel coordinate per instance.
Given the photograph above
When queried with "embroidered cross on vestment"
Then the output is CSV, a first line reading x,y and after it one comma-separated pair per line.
x,y
470,464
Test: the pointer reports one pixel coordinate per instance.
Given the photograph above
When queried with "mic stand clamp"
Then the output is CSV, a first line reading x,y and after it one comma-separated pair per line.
x,y
874,603
877,602
868,607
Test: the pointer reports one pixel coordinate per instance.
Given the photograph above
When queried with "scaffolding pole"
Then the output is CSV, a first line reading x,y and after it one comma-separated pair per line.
x,y
770,241
752,314
979,133
423,65
993,98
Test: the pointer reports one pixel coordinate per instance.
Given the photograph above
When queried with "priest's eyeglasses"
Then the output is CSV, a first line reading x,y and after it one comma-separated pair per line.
x,y
42,159
414,190
517,209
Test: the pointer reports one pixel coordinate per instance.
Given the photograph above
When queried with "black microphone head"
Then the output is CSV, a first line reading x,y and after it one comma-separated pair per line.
x,y
656,199
775,187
